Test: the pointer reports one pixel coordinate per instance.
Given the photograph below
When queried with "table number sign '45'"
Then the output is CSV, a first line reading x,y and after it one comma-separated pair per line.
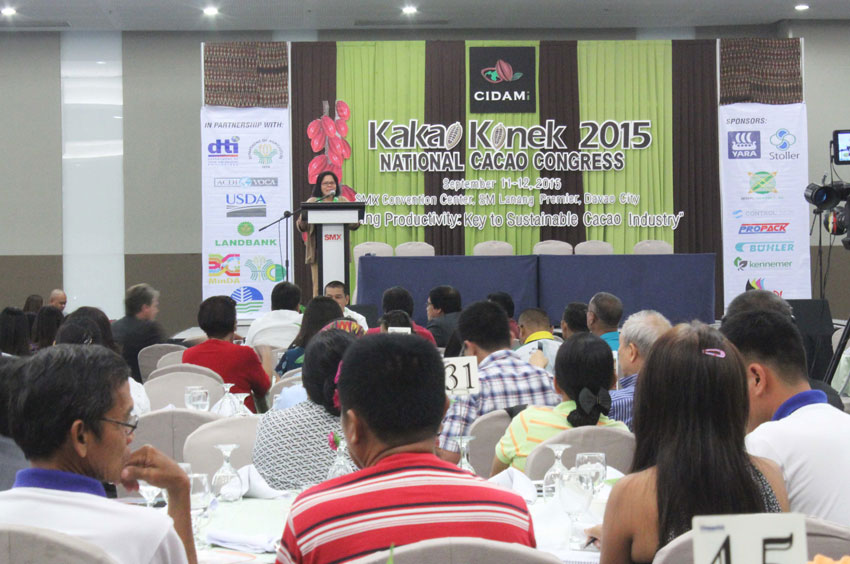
x,y
461,374
762,538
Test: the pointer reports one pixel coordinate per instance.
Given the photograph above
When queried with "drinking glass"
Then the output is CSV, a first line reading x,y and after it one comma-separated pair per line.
x,y
226,483
242,409
550,479
341,465
200,501
594,462
187,396
228,405
148,492
575,492
197,397
463,444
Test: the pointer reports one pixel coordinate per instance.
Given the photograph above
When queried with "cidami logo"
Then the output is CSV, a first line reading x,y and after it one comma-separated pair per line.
x,y
759,228
502,80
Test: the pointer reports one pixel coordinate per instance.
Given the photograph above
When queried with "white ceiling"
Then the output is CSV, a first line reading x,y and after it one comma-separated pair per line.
x,y
304,15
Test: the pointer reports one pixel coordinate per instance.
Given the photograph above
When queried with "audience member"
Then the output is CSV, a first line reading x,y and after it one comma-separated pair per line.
x,y
57,299
395,319
278,327
292,448
789,422
319,312
398,298
392,391
535,333
505,300
584,371
99,318
14,332
443,309
73,419
47,322
338,292
33,303
235,364
574,319
639,333
504,379
138,328
690,459
603,315
12,457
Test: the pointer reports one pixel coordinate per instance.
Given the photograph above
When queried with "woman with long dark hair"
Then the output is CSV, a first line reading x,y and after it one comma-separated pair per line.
x,y
47,322
691,408
319,312
15,332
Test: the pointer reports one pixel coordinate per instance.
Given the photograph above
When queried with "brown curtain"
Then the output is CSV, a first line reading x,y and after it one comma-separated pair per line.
x,y
764,71
696,173
313,82
445,102
558,93
246,74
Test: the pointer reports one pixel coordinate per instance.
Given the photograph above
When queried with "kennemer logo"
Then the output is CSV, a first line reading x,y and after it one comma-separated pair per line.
x,y
752,228
245,182
760,247
744,144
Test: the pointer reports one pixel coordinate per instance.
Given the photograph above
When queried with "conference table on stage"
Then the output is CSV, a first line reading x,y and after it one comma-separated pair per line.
x,y
681,286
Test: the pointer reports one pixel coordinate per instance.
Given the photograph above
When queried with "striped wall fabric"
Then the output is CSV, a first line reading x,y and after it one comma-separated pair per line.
x,y
763,71
246,74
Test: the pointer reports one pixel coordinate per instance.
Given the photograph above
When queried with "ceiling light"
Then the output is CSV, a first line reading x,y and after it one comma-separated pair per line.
x,y
8,11
210,11
409,10
801,7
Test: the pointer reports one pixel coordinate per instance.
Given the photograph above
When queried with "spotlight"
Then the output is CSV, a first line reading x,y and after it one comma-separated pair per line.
x,y
210,11
8,11
409,10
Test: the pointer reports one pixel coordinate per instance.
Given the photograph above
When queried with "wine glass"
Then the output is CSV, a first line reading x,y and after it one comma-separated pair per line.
x,y
226,483
463,445
575,492
148,492
341,466
187,396
242,409
550,479
197,397
228,405
200,499
594,462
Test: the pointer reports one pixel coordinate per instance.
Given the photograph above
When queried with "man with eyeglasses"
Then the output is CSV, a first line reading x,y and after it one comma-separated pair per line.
x,y
72,415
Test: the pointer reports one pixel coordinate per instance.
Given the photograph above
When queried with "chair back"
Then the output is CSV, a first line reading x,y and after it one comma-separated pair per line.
x,y
487,430
678,551
149,356
414,249
199,449
553,247
174,357
172,368
652,247
594,247
493,248
372,248
167,429
171,388
461,550
617,444
29,545
278,336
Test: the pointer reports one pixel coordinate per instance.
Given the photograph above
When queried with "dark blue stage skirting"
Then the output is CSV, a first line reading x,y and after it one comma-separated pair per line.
x,y
679,286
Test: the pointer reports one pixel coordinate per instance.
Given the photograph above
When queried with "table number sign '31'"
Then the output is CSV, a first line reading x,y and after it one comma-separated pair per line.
x,y
762,538
461,374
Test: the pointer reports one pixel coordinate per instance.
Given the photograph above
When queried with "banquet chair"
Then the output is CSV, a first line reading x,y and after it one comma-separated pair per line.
x,y
553,247
487,430
149,356
172,368
199,449
493,248
414,249
291,378
594,247
617,444
29,545
279,336
460,550
167,429
174,357
171,388
372,248
652,247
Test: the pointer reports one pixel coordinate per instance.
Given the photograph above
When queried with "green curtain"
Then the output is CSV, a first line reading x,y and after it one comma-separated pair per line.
x,y
522,238
381,80
630,80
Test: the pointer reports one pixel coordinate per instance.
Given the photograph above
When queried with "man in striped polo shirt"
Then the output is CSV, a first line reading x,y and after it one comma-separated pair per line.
x,y
392,396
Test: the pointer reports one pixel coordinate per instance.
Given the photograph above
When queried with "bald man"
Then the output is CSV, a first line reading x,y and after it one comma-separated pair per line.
x,y
57,299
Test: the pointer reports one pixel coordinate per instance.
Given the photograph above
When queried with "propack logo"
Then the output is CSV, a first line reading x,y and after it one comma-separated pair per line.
x,y
765,247
265,151
265,269
248,299
223,152
762,182
245,205
502,80
744,144
762,228
245,182
223,269
783,140
246,228
740,263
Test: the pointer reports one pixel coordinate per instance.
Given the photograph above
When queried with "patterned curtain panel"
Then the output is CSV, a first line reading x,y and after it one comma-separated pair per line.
x,y
246,74
696,174
763,71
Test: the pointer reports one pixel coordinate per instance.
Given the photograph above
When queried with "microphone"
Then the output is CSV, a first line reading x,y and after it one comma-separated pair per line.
x,y
325,196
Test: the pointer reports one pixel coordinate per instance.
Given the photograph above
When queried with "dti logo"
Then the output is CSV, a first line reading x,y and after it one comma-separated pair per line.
x,y
227,265
224,152
333,237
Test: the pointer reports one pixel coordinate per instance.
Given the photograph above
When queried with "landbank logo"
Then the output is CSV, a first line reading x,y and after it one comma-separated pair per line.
x,y
765,247
223,152
265,269
248,299
744,144
502,80
783,139
245,228
245,182
762,183
265,151
760,228
245,205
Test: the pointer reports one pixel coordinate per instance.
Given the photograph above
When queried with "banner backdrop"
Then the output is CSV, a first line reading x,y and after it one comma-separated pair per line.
x,y
245,183
763,171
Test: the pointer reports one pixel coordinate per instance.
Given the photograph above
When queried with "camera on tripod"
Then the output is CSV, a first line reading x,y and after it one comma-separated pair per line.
x,y
827,197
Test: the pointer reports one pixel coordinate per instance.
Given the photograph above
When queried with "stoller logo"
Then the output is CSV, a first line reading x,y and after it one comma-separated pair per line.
x,y
744,144
245,205
333,237
245,182
502,80
783,140
762,182
248,299
265,269
223,152
753,228
765,247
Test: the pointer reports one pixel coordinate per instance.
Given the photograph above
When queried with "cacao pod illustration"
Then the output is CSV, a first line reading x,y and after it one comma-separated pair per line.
x,y
328,126
334,156
453,134
348,192
335,143
312,178
317,164
341,127
314,128
337,170
318,142
342,110
504,70
346,149
498,136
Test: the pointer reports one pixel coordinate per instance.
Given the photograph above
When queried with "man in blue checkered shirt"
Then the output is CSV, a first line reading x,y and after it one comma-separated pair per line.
x,y
638,334
505,380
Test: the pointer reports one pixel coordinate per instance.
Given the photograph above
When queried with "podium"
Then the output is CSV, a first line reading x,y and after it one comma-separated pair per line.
x,y
331,221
